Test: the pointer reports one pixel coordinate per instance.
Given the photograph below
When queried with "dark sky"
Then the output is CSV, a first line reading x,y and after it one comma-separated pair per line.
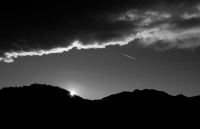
x,y
98,48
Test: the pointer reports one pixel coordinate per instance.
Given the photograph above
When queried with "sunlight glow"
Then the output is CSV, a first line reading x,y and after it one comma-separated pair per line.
x,y
72,93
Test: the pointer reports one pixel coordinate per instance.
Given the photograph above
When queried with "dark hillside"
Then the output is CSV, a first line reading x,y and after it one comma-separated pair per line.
x,y
51,102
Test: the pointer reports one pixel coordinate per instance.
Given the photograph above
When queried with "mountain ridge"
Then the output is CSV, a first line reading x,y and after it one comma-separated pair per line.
x,y
48,103
45,95
43,86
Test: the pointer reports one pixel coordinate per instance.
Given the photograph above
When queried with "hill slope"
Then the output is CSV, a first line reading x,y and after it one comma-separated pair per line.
x,y
54,101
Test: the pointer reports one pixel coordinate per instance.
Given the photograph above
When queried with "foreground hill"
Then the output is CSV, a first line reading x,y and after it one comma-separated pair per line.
x,y
52,102
45,94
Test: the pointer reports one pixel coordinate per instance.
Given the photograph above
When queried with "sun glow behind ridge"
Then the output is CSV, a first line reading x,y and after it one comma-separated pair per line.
x,y
72,93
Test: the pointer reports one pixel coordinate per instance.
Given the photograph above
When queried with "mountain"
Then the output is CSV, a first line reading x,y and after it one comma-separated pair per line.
x,y
51,102
45,94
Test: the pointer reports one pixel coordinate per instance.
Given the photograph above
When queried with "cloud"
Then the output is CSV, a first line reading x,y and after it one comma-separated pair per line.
x,y
170,37
52,28
198,7
142,18
189,16
76,44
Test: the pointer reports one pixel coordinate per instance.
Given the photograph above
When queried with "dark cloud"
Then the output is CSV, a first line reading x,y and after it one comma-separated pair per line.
x,y
42,28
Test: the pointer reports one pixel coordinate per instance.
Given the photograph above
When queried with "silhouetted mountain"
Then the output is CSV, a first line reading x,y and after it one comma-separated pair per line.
x,y
39,95
48,101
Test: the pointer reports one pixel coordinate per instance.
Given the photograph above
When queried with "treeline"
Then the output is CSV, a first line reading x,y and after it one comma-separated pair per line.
x,y
47,99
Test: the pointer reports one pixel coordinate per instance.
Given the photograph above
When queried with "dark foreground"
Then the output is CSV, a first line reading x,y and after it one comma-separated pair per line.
x,y
46,103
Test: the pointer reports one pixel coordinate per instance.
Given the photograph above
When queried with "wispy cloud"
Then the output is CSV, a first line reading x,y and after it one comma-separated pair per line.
x,y
171,38
8,57
189,16
165,26
142,18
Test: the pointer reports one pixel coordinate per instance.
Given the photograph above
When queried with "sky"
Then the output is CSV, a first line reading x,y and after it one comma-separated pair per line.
x,y
99,48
